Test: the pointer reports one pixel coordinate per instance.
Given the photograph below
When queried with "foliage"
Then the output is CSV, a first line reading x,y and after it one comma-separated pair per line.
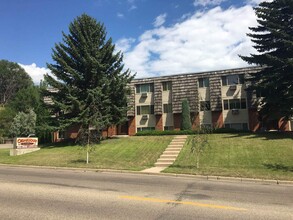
x,y
199,142
273,39
23,124
6,117
90,86
26,99
12,79
185,121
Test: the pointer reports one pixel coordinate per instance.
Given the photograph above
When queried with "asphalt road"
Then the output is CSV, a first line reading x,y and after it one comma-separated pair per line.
x,y
34,193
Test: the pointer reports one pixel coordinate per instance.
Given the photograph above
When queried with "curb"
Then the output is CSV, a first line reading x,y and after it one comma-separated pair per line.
x,y
199,177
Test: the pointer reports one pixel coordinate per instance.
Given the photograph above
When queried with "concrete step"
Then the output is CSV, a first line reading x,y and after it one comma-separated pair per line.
x,y
169,153
175,145
163,164
177,142
173,148
174,156
165,160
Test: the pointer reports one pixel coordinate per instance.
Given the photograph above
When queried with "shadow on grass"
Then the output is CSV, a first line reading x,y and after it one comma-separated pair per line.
x,y
78,161
182,167
264,135
278,167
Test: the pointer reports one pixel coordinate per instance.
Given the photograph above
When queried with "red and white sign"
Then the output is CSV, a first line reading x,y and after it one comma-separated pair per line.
x,y
25,142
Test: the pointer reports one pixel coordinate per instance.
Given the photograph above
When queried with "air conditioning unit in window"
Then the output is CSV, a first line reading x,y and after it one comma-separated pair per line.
x,y
233,87
145,117
144,94
235,111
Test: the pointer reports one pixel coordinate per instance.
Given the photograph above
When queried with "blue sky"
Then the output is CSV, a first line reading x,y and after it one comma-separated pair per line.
x,y
158,37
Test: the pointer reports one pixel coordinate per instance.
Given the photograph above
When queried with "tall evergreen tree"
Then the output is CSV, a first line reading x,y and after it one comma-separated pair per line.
x,y
273,39
90,87
185,121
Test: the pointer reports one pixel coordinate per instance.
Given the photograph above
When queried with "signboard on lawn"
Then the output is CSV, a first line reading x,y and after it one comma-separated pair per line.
x,y
23,142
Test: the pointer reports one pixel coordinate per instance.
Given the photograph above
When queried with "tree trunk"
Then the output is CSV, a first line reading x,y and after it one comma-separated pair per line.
x,y
88,145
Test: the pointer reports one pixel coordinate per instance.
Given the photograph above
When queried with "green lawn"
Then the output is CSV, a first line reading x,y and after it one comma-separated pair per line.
x,y
131,153
268,156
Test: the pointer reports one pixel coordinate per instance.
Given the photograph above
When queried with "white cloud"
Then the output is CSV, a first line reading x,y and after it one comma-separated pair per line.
x,y
206,40
124,44
36,73
256,2
207,2
120,15
132,7
160,20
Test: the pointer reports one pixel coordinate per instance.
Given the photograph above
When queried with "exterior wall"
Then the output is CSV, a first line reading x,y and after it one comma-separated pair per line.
x,y
195,120
217,119
238,93
254,124
204,117
284,125
159,123
131,126
177,121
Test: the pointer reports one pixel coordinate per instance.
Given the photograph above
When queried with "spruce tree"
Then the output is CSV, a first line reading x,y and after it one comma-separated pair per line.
x,y
273,39
186,121
88,86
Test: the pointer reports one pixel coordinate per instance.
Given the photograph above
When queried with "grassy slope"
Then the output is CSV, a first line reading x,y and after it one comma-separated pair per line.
x,y
133,153
267,156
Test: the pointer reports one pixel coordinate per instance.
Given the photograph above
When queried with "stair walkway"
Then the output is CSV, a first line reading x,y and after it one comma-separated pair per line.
x,y
169,155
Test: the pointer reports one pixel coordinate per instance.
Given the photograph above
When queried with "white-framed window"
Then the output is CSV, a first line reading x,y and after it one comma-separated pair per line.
x,y
203,82
167,108
234,104
145,109
167,86
205,105
145,128
148,87
168,128
237,126
232,80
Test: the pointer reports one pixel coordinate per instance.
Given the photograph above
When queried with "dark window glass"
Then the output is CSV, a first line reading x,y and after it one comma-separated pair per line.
x,y
203,82
243,103
234,104
227,125
205,106
167,86
138,110
145,88
232,80
226,105
167,108
224,80
241,79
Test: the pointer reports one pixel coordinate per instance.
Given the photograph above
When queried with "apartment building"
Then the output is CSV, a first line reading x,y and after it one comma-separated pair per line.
x,y
216,99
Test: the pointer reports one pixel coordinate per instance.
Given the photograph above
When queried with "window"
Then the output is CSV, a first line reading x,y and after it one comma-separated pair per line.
x,y
167,108
167,86
145,109
205,106
206,126
234,104
237,126
203,82
232,80
168,128
145,88
145,128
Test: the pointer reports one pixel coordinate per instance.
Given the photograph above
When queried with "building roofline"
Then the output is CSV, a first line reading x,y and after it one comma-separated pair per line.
x,y
223,71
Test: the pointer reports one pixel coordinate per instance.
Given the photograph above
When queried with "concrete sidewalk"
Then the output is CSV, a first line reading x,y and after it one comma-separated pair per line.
x,y
6,146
